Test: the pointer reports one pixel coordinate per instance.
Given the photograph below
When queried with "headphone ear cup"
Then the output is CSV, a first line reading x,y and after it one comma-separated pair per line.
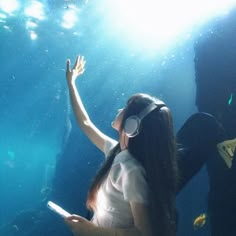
x,y
131,126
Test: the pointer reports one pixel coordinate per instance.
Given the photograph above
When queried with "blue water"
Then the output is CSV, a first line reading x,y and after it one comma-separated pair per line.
x,y
34,99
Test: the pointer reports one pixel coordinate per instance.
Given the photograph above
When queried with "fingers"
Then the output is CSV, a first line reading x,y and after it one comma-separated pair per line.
x,y
75,218
76,62
78,68
79,63
83,63
68,65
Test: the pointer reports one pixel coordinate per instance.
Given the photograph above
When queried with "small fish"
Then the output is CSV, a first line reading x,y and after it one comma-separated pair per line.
x,y
15,227
45,191
230,99
199,221
227,150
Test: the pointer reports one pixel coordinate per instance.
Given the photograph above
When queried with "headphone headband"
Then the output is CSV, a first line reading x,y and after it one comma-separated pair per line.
x,y
150,108
132,123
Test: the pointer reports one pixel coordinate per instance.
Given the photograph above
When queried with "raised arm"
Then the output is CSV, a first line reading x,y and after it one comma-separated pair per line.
x,y
84,122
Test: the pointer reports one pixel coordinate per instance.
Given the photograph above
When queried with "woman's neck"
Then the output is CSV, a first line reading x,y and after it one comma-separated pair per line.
x,y
123,141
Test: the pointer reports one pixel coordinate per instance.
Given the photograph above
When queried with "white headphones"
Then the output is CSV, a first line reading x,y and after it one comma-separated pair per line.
x,y
132,123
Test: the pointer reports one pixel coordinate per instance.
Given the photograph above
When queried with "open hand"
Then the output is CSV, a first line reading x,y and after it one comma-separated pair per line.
x,y
78,68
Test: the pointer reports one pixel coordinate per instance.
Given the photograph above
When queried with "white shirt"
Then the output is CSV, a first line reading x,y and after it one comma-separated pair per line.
x,y
125,182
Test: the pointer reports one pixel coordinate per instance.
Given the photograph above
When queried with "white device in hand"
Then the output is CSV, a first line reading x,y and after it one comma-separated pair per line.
x,y
54,207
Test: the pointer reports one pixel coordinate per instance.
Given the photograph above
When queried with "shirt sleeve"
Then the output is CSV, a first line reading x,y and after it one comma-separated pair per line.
x,y
134,186
109,145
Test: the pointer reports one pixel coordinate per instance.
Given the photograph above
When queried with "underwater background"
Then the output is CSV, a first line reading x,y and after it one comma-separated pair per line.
x,y
36,118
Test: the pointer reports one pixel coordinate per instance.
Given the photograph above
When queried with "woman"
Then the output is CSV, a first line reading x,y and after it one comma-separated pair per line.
x,y
134,191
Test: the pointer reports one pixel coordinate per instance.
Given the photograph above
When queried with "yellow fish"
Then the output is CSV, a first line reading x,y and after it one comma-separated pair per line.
x,y
199,221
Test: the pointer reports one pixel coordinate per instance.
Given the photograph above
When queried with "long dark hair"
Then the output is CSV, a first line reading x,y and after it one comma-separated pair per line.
x,y
155,148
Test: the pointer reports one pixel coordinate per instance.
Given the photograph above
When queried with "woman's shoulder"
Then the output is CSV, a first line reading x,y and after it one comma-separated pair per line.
x,y
129,177
127,162
109,145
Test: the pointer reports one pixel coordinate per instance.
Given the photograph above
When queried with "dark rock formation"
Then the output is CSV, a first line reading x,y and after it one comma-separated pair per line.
x,y
215,67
